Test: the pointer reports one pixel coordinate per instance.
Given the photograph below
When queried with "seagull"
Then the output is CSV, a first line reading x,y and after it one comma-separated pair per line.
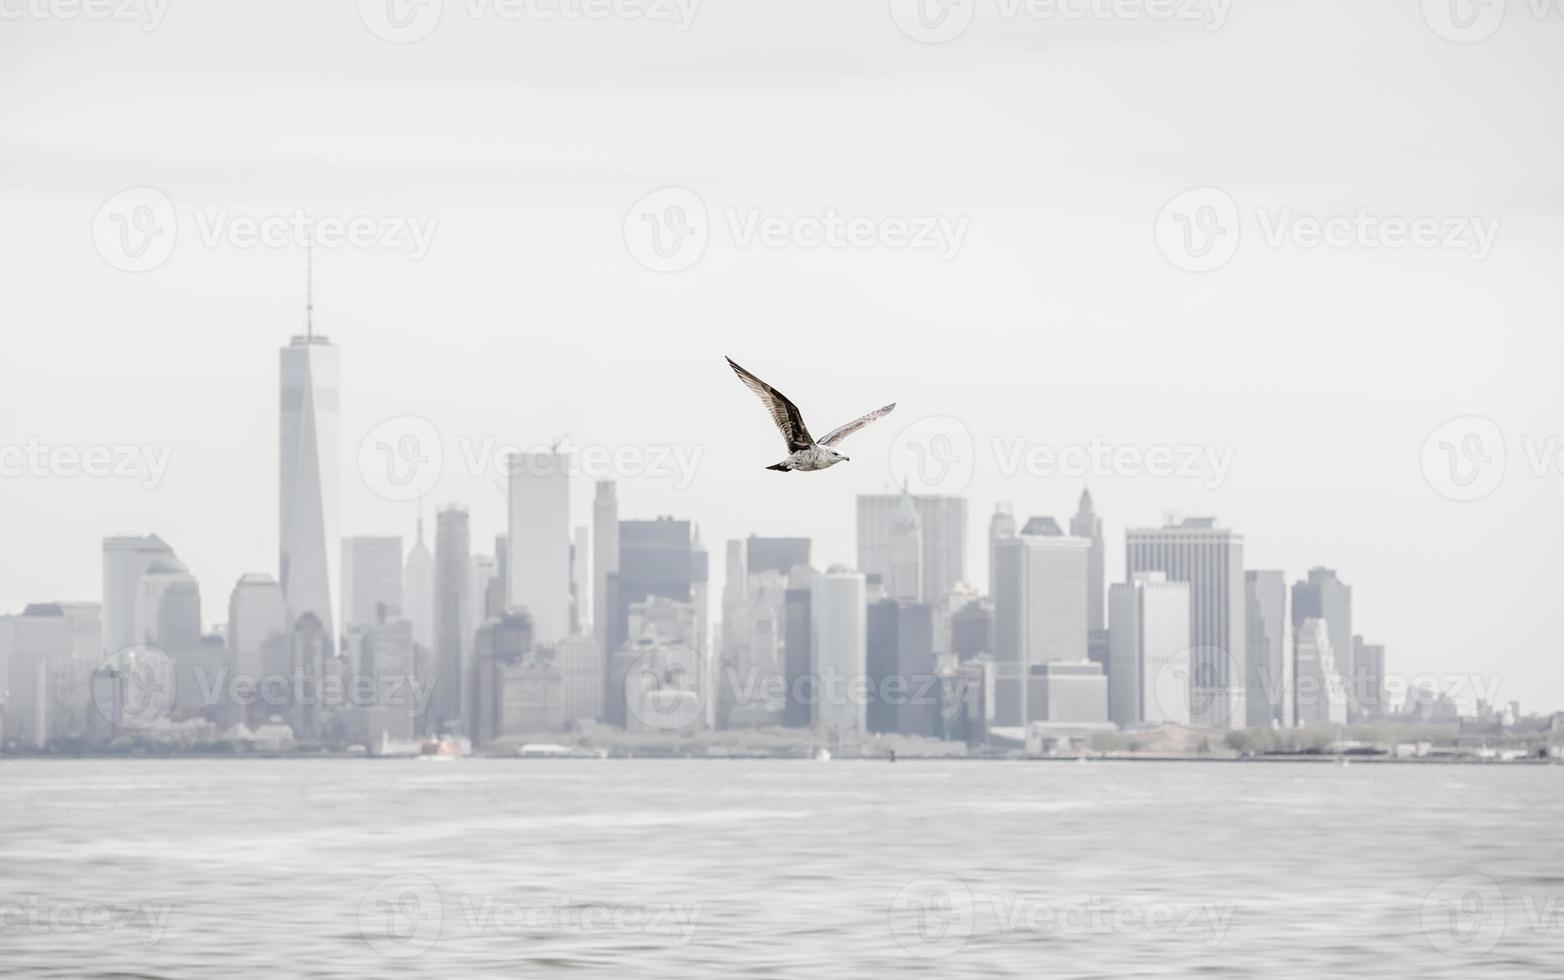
x,y
804,451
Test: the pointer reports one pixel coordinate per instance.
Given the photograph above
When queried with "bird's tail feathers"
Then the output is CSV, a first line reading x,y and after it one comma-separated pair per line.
x,y
778,466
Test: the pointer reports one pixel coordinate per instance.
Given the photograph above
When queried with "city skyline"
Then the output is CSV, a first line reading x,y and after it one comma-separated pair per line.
x,y
876,513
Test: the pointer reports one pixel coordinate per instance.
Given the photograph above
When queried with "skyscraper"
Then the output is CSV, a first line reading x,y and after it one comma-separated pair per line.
x,y
257,626
1039,597
168,606
1326,597
904,568
371,579
580,578
1148,651
942,524
1068,692
901,668
48,656
580,666
774,554
605,562
418,590
125,560
837,614
453,631
1211,560
1366,687
657,558
1086,524
308,470
1269,669
1000,526
1321,697
798,653
482,585
538,566
972,630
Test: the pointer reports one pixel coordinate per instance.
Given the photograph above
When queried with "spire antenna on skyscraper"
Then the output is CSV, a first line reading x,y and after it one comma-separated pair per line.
x,y
309,291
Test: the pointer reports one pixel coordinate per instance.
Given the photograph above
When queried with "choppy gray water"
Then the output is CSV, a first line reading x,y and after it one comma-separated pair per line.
x,y
490,868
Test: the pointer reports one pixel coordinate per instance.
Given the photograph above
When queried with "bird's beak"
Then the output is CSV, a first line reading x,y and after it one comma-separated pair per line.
x,y
847,459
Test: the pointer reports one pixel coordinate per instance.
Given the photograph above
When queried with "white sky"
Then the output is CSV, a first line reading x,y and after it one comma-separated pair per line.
x,y
1057,322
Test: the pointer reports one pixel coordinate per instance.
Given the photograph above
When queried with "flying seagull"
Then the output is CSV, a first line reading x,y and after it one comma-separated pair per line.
x,y
804,451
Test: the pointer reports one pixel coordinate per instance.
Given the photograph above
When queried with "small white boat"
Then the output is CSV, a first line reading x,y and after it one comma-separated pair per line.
x,y
822,755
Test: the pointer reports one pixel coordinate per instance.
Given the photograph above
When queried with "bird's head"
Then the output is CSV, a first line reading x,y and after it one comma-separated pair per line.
x,y
837,457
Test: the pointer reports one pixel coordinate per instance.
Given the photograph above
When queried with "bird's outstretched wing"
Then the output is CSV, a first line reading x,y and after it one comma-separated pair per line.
x,y
841,432
783,412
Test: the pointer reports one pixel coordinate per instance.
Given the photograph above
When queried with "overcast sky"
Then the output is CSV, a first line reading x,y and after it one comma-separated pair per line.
x,y
506,296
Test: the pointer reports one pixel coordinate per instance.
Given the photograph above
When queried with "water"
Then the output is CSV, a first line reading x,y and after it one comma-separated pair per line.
x,y
497,868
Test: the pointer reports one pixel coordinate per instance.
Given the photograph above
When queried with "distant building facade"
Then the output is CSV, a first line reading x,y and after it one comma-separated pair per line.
x,y
1210,560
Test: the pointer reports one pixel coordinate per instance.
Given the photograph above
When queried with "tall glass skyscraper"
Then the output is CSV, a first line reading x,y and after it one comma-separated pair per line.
x,y
309,461
839,616
538,567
